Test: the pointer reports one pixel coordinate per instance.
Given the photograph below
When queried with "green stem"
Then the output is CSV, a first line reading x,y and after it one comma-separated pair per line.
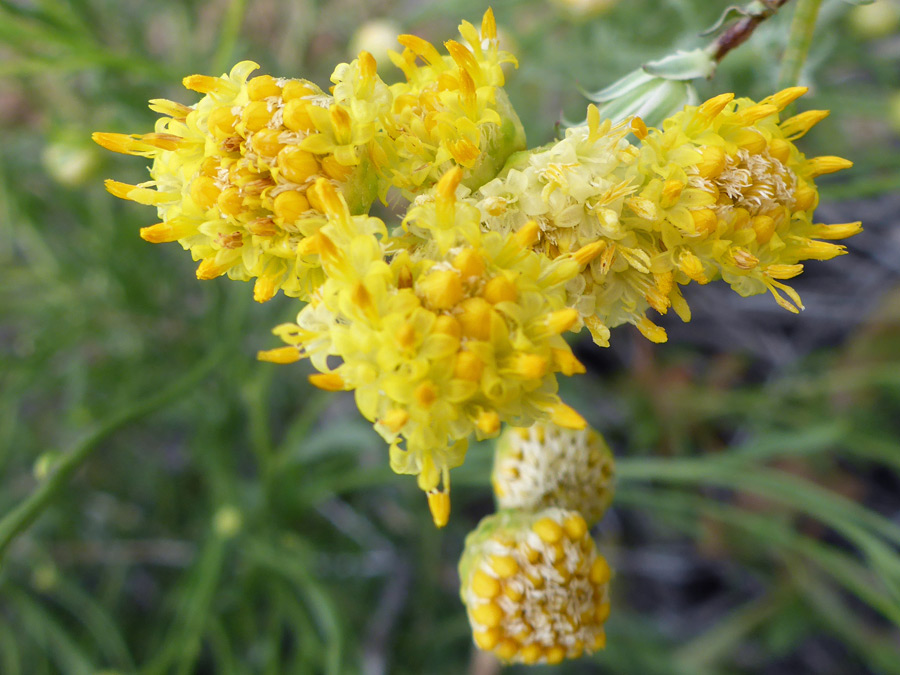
x,y
22,516
802,27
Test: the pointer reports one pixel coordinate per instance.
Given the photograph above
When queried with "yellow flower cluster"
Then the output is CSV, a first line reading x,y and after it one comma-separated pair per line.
x,y
452,110
234,176
576,190
545,465
535,588
720,191
453,324
731,196
439,342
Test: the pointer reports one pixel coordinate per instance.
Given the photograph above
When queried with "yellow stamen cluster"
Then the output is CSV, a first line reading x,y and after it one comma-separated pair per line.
x,y
451,110
720,191
234,174
437,344
535,588
576,190
545,465
731,196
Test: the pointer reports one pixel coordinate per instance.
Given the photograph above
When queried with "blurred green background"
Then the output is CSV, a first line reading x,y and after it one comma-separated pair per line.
x,y
230,519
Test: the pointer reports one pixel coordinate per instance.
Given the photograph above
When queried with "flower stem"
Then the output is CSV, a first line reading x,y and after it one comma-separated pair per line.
x,y
799,40
24,514
737,33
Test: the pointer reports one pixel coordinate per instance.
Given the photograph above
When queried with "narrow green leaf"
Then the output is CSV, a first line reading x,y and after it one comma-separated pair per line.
x,y
289,563
683,65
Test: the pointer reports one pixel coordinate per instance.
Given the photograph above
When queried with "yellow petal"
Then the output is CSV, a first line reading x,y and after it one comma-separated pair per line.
x,y
328,381
439,505
567,417
785,97
797,126
818,166
280,355
838,230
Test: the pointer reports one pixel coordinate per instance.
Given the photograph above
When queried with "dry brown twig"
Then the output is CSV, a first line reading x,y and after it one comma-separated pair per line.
x,y
736,34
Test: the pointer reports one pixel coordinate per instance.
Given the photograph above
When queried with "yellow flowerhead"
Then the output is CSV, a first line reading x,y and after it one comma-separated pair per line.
x,y
545,465
576,189
535,588
732,196
451,111
234,174
436,344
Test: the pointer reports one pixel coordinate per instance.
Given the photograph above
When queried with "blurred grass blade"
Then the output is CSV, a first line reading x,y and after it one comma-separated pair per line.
x,y
57,645
290,564
22,516
776,537
101,626
181,646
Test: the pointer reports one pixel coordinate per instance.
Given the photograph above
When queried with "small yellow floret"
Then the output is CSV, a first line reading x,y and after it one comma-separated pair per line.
x,y
439,505
395,419
327,381
297,165
561,321
425,394
500,289
529,366
210,269
548,530
475,319
289,206
528,234
262,86
705,220
442,289
487,639
484,585
504,566
567,417
469,263
839,230
651,331
468,366
712,161
280,355
264,289
170,231
585,254
488,422
818,166
600,572
204,84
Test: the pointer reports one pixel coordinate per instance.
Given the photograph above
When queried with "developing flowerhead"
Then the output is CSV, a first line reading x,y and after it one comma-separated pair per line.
x,y
732,196
576,189
534,586
436,345
545,465
451,111
235,174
